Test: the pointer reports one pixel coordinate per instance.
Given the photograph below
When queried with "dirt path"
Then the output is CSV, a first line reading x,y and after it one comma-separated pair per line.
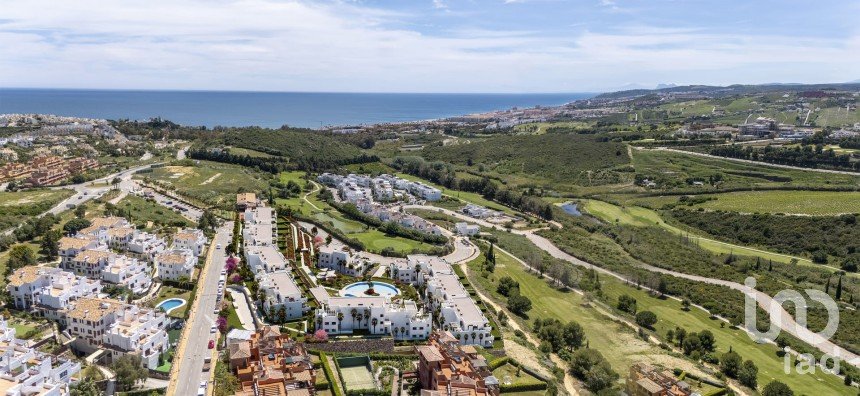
x,y
305,197
569,385
211,179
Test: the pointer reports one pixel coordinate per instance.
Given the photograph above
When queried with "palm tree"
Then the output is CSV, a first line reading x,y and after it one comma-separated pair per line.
x,y
396,330
339,319
366,316
354,313
374,322
319,322
473,336
403,331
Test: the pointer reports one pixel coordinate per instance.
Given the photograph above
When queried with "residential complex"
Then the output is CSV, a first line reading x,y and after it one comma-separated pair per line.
x,y
377,315
44,170
24,371
445,368
459,313
175,264
270,363
647,380
342,261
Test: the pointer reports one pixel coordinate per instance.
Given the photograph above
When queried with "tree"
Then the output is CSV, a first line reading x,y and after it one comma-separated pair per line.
x,y
81,211
583,360
50,244
129,370
519,304
228,384
86,387
730,364
839,289
507,286
74,225
20,256
646,319
691,343
600,377
776,388
573,335
748,374
708,341
627,304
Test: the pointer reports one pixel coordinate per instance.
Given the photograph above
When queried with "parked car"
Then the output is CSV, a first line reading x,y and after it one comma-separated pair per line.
x,y
211,344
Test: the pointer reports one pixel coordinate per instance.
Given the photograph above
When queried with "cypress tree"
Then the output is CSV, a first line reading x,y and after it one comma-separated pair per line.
x,y
839,289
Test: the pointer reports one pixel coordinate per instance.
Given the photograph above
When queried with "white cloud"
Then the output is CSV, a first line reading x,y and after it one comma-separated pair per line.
x,y
298,46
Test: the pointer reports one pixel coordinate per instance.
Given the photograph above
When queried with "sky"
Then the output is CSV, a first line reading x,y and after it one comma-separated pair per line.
x,y
475,46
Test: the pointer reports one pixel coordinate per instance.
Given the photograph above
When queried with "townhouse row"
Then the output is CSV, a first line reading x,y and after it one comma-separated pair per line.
x,y
27,371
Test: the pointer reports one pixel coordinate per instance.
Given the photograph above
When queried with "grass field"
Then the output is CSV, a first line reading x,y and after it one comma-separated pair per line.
x,y
515,375
212,183
816,203
143,211
622,348
643,217
17,206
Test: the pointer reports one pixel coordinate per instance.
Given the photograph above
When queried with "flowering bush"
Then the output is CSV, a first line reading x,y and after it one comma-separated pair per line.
x,y
320,335
232,264
236,278
221,322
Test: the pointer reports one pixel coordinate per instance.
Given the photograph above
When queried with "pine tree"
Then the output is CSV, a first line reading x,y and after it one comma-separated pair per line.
x,y
839,289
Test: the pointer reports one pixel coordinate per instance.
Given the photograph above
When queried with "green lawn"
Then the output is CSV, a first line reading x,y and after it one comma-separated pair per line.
x,y
642,217
622,349
815,203
168,292
516,375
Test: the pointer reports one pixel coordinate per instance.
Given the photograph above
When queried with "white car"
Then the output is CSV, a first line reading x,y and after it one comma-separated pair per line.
x,y
218,246
213,329
201,391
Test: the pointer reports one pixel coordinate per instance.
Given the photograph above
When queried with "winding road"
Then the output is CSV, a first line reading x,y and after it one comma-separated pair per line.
x,y
784,320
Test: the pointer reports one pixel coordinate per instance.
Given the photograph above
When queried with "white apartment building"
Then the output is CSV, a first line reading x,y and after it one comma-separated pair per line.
x,y
341,261
191,239
128,272
175,263
403,320
459,313
89,262
38,288
146,245
120,237
69,247
262,259
24,371
281,290
99,227
117,329
467,229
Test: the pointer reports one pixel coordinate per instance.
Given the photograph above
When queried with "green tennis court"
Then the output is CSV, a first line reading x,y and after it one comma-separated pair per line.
x,y
355,372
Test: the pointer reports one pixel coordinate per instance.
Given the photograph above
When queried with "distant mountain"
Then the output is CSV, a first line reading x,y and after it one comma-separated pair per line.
x,y
665,85
737,89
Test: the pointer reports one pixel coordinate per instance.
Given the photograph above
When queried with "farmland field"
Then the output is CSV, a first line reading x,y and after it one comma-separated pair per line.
x,y
208,182
816,203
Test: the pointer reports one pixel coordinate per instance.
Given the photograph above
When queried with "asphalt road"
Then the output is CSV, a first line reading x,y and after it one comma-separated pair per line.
x,y
196,346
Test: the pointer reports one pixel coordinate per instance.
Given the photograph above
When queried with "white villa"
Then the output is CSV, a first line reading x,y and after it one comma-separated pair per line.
x,y
116,329
375,314
281,290
24,371
175,263
341,261
264,259
35,287
466,229
191,239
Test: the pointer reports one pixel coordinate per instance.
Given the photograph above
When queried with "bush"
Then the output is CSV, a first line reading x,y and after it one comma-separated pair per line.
x,y
536,386
646,319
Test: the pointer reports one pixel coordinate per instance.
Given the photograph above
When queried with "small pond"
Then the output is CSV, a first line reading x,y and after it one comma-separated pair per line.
x,y
571,209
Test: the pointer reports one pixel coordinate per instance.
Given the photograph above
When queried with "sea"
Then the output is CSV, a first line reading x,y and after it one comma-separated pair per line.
x,y
265,109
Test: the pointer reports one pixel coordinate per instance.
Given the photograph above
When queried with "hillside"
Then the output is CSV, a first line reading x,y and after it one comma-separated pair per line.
x,y
553,156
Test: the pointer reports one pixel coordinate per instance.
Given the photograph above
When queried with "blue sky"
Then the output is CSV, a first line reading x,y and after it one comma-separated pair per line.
x,y
424,45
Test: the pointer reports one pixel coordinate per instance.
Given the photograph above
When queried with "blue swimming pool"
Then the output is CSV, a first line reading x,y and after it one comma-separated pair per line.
x,y
359,289
171,304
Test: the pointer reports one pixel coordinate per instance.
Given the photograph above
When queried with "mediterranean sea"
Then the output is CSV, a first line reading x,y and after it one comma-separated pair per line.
x,y
266,109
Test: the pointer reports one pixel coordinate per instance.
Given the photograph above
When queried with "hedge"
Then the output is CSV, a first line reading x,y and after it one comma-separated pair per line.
x,y
717,392
367,392
499,362
330,375
537,386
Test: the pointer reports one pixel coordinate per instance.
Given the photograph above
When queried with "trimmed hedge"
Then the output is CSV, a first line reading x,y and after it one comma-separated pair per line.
x,y
537,386
336,389
498,362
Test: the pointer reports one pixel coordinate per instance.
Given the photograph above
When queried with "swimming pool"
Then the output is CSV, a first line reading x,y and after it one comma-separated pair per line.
x,y
359,289
171,304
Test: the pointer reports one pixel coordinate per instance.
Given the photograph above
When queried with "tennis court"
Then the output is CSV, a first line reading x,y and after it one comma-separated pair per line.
x,y
355,372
